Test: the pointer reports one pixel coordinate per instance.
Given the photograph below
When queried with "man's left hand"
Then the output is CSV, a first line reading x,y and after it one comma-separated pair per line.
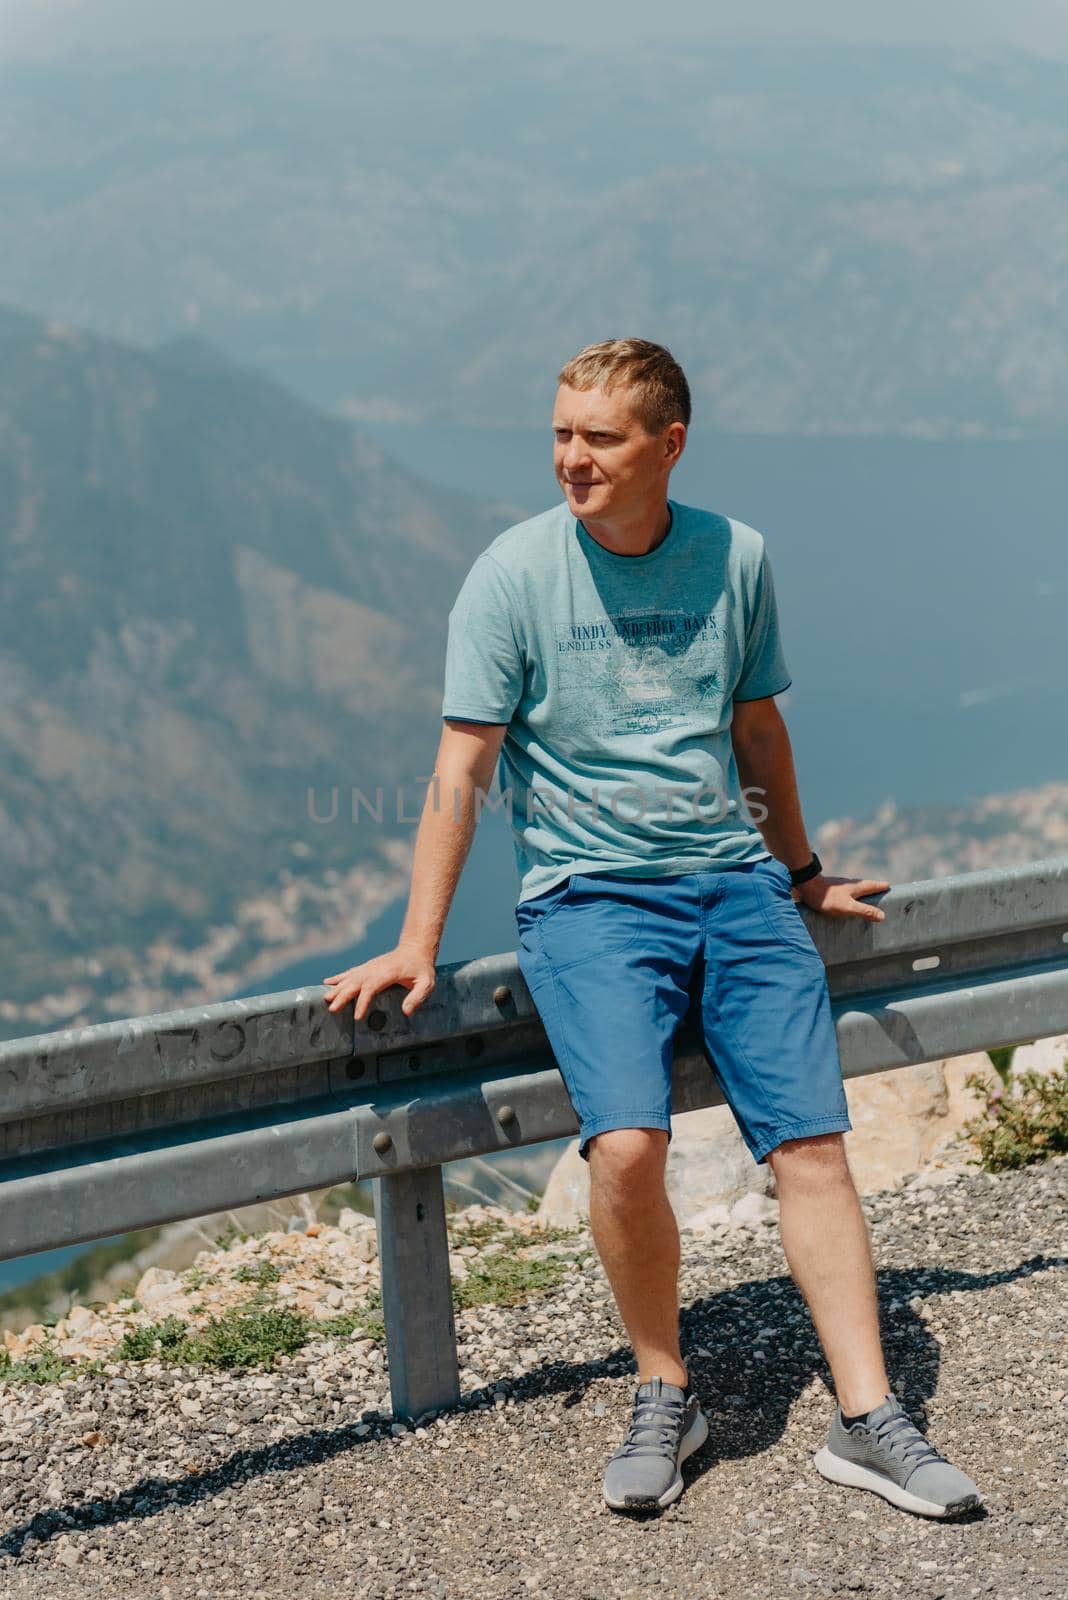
x,y
839,897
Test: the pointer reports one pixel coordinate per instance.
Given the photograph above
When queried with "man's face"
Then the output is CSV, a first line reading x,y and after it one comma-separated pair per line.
x,y
605,461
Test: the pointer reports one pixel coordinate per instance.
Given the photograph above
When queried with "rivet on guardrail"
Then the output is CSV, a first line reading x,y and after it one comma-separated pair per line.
x,y
474,1045
382,1141
376,1021
501,995
413,1063
506,1116
354,1069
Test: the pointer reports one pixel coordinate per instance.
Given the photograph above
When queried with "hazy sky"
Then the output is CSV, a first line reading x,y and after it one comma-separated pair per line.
x,y
44,26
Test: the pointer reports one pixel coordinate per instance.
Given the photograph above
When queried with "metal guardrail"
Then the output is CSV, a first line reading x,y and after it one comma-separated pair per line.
x,y
131,1123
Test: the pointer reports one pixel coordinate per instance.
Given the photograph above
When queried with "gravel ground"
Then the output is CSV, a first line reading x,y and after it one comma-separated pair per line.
x,y
210,1485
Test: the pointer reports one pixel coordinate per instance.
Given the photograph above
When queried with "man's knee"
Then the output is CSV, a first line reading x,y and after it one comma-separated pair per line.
x,y
815,1161
628,1156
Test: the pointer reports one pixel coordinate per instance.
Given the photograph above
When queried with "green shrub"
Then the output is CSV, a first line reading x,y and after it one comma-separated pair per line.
x,y
231,1234
366,1321
1023,1121
496,1231
137,1344
197,1277
46,1366
247,1335
259,1272
506,1280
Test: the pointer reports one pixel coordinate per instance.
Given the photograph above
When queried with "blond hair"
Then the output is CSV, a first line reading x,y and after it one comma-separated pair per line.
x,y
660,393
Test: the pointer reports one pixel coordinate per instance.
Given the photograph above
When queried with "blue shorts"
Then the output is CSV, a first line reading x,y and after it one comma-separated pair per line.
x,y
613,963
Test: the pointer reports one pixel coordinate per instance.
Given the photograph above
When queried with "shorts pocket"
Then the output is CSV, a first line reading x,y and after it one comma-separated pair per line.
x,y
594,918
772,886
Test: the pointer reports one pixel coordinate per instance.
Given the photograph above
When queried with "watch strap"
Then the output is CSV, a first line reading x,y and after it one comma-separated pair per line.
x,y
802,874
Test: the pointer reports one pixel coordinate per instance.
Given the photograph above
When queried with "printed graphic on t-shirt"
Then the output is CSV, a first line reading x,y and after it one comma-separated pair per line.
x,y
639,671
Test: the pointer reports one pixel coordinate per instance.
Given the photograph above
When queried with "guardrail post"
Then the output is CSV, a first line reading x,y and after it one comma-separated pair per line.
x,y
413,1254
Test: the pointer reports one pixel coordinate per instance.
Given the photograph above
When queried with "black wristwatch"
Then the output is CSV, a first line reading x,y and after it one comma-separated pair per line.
x,y
803,874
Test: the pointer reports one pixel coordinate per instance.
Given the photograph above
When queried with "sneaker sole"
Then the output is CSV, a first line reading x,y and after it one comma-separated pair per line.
x,y
692,1440
853,1476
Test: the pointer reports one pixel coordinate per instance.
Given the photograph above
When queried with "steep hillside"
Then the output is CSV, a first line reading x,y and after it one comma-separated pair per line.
x,y
216,602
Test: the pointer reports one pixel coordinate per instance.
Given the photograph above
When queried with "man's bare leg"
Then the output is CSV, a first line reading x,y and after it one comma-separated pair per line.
x,y
825,1239
637,1239
826,1242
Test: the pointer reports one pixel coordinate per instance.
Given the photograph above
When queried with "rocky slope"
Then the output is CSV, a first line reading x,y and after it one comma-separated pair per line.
x,y
198,1483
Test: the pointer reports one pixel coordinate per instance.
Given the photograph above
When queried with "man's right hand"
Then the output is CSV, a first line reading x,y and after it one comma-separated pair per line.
x,y
410,965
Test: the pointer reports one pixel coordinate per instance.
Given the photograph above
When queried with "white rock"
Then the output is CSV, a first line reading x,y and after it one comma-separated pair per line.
x,y
905,1118
716,1216
157,1292
20,1343
152,1277
708,1166
753,1209
75,1348
1044,1055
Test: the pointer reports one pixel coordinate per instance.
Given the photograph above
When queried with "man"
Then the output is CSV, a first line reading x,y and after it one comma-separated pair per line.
x,y
620,656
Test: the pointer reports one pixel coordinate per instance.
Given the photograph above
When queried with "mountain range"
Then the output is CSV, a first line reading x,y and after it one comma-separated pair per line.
x,y
832,237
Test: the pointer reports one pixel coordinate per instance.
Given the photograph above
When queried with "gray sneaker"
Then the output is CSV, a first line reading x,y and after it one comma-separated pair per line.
x,y
889,1455
665,1429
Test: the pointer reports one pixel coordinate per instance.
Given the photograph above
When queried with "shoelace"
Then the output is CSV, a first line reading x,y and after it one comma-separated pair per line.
x,y
900,1435
650,1432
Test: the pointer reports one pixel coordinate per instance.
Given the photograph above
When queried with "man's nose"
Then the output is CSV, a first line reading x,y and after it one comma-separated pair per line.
x,y
576,455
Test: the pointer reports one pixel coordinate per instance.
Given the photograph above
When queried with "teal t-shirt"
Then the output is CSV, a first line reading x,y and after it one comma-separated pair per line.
x,y
615,676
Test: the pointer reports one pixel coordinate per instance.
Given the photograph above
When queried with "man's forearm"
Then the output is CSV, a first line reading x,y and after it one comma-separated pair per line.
x,y
766,772
446,829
